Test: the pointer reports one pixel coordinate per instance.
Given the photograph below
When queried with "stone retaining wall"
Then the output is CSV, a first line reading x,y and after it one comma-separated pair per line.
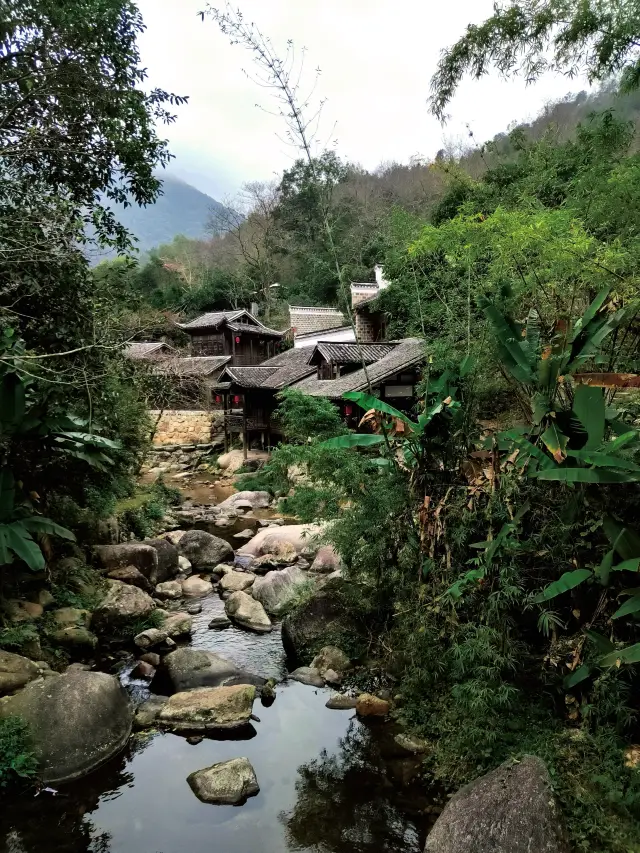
x,y
185,426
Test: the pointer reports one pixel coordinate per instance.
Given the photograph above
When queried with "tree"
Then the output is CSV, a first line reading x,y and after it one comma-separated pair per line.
x,y
528,37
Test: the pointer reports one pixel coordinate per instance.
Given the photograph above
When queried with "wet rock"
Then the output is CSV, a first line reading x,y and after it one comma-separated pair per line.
x,y
147,713
77,721
15,672
242,562
194,608
332,677
67,617
403,771
307,675
131,575
341,702
268,692
143,670
208,709
195,587
74,637
174,536
45,599
219,623
246,500
184,565
194,740
411,744
152,659
167,558
227,783
247,612
300,536
177,625
510,810
236,581
327,560
23,611
171,590
223,569
368,705
275,590
123,605
142,557
203,550
150,638
187,668
324,614
244,534
331,658
243,506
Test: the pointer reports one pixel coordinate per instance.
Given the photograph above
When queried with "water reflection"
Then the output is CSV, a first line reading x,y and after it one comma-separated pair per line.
x,y
346,802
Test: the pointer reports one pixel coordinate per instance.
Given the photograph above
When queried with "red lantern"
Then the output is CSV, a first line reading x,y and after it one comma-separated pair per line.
x,y
236,399
348,410
237,339
218,398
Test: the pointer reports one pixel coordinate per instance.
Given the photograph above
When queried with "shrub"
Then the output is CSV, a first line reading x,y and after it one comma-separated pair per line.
x,y
17,760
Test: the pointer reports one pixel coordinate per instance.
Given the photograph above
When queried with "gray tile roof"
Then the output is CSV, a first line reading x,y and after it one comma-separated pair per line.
x,y
212,319
301,336
351,353
192,366
278,372
245,328
143,349
248,377
408,352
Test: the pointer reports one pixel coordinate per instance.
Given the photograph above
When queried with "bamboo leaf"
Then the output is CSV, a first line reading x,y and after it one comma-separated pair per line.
x,y
620,442
569,580
466,365
604,569
588,406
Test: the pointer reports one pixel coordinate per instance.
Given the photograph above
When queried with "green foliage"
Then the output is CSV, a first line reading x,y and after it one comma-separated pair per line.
x,y
305,418
17,760
143,512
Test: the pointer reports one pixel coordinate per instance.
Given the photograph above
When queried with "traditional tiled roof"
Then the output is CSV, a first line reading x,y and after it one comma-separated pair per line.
x,y
278,372
201,366
301,336
143,349
248,377
350,353
213,319
245,328
408,352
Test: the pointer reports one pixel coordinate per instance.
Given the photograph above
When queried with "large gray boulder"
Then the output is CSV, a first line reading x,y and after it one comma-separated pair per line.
x,y
326,561
276,589
203,550
228,783
186,669
247,612
257,500
77,721
236,581
142,557
324,614
301,536
167,558
208,709
122,606
15,672
510,810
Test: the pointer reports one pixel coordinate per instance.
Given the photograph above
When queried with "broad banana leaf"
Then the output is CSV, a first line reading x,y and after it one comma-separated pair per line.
x,y
555,441
629,655
589,408
368,401
354,439
569,580
632,605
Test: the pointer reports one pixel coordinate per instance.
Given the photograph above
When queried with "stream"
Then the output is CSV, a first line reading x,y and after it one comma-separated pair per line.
x,y
326,780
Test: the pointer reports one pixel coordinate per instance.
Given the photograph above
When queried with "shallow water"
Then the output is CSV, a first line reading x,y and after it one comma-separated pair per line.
x,y
325,781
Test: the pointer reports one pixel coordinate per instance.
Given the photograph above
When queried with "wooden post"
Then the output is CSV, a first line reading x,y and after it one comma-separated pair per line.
x,y
225,401
244,427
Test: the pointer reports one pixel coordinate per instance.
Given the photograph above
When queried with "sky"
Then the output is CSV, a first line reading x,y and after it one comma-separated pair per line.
x,y
376,59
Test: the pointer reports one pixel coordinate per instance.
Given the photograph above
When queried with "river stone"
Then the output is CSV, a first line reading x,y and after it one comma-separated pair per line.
x,y
331,658
187,668
341,702
236,581
194,608
327,560
129,574
196,587
74,636
228,783
147,713
219,623
301,536
171,590
208,708
322,615
307,675
184,565
67,617
368,705
247,612
410,744
246,500
77,721
122,605
203,550
142,557
167,558
177,624
150,638
23,611
275,589
510,810
15,672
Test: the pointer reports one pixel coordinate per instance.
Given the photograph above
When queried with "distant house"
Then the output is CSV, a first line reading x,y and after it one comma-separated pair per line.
x,y
236,334
369,320
309,324
147,350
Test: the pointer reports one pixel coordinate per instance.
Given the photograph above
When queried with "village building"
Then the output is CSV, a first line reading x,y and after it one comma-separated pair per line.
x,y
147,350
236,334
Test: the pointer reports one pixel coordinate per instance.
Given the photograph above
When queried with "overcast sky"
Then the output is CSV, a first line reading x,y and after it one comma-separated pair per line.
x,y
376,59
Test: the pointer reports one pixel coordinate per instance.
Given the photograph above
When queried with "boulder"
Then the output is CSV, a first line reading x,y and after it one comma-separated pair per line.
x,y
341,702
184,565
151,658
195,587
15,672
247,612
245,500
301,536
129,574
147,713
231,461
177,624
123,605
194,608
77,721
208,709
236,581
203,550
75,637
368,705
23,611
411,745
150,638
219,623
45,599
276,589
174,536
280,553
187,668
510,810
228,783
67,617
331,658
143,670
327,560
167,558
321,615
307,675
171,590
142,557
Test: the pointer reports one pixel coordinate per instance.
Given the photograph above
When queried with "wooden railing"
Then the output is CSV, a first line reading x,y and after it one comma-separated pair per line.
x,y
236,423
